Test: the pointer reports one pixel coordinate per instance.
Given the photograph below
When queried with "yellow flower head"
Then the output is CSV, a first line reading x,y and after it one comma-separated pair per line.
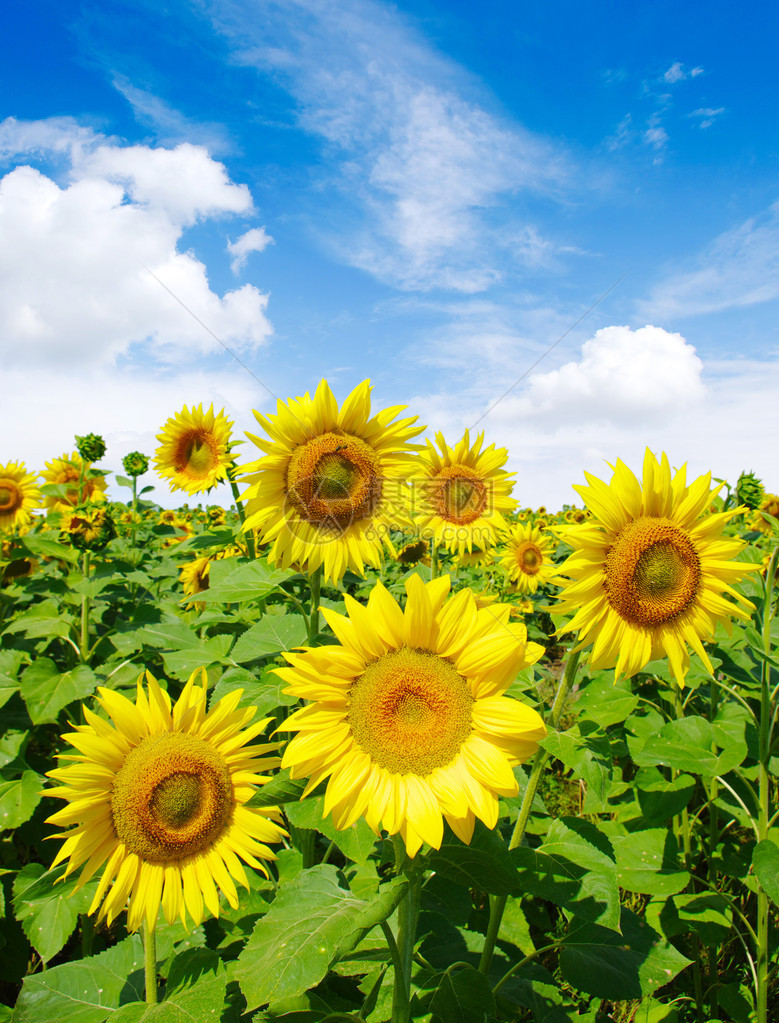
x,y
462,493
648,570
156,797
69,469
769,504
19,495
527,558
328,489
194,450
407,716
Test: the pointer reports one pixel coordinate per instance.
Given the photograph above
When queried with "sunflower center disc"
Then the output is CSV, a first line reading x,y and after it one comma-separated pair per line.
x,y
410,711
530,558
10,498
333,480
653,571
195,454
172,797
460,495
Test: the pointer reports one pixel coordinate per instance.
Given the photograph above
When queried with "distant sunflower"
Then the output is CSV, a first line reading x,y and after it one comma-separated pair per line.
x,y
328,489
159,794
462,493
527,558
19,495
194,450
648,570
769,504
69,469
408,717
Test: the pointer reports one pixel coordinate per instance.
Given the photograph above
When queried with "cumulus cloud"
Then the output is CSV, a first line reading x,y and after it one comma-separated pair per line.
x,y
739,268
75,286
421,161
254,240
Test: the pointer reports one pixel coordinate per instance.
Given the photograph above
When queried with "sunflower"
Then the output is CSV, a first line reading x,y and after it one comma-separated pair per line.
x,y
194,452
527,558
194,576
19,495
329,488
408,718
461,493
649,569
769,504
69,469
414,552
160,796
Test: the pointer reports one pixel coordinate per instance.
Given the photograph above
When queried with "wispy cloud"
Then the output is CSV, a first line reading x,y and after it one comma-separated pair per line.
x,y
739,268
706,115
255,239
678,73
421,162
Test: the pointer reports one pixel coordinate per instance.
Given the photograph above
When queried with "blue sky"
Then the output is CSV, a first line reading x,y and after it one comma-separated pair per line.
x,y
424,194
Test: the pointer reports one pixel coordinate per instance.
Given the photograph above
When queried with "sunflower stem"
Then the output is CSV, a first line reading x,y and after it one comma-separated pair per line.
x,y
250,546
498,902
408,914
135,510
150,963
84,639
315,584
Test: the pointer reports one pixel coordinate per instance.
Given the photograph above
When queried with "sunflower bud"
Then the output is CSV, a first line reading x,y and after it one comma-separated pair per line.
x,y
90,529
135,464
749,490
91,448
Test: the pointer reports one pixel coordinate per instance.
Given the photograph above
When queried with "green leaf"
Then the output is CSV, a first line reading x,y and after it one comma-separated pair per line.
x,y
605,702
646,862
689,745
765,862
279,790
49,912
86,991
18,799
706,914
182,663
42,620
270,635
44,547
12,744
356,842
485,864
232,580
46,691
574,868
195,990
659,798
10,663
464,996
264,693
312,922
634,964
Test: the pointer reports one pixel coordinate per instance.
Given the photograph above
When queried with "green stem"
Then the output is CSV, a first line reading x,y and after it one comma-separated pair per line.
x,y
498,902
84,644
250,546
315,584
150,963
400,1000
307,844
408,914
87,934
135,509
711,872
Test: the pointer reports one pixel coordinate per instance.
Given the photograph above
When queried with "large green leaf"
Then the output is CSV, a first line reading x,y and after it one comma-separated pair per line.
x,y
233,580
706,914
46,691
264,693
48,911
605,702
574,868
634,964
765,862
661,799
195,991
312,922
18,799
44,547
10,663
461,996
689,744
41,620
485,864
270,635
647,863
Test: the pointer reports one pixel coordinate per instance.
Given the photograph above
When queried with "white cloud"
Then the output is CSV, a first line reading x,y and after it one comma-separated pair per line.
x,y
75,286
677,73
420,161
254,240
706,115
740,268
700,414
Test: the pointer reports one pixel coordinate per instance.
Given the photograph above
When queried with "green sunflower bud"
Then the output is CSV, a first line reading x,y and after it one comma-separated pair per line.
x,y
91,448
135,464
750,490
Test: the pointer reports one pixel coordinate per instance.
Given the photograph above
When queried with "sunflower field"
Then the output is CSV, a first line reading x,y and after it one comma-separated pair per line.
x,y
377,743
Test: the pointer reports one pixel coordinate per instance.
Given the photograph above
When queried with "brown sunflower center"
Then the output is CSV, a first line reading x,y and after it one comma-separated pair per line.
x,y
197,453
10,497
529,558
172,798
459,494
333,480
410,711
653,571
